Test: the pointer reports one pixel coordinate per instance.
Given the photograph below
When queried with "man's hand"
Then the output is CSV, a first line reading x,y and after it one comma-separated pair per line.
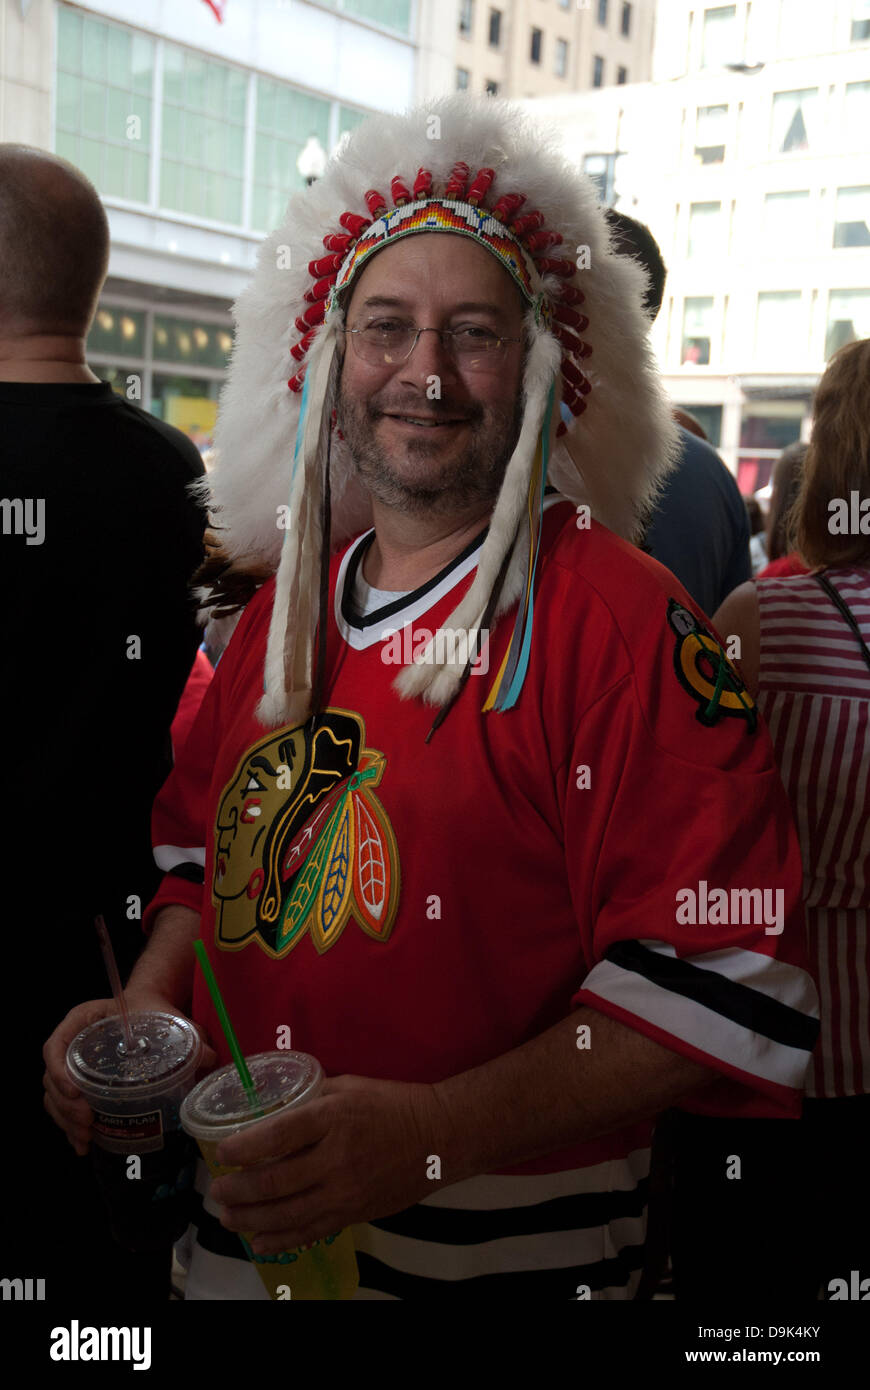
x,y
64,1101
358,1152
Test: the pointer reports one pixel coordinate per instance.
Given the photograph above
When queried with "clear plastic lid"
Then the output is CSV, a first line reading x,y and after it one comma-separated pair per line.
x,y
166,1046
282,1080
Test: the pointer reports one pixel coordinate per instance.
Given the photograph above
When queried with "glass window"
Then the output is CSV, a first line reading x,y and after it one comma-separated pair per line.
x,y
286,121
860,21
120,56
848,318
94,48
561,57
69,37
536,45
793,122
780,324
766,427
602,11
462,76
709,417
597,72
697,330
706,226
68,92
393,14
564,4
494,28
466,17
189,341
601,169
187,402
720,38
138,168
856,110
349,118
202,158
852,217
103,105
771,424
94,109
784,222
710,134
117,331
621,76
625,22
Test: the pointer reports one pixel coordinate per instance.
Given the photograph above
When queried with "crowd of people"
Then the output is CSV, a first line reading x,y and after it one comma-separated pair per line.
x,y
510,960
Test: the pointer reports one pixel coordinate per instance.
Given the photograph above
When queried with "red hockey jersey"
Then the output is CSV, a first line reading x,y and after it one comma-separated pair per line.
x,y
619,839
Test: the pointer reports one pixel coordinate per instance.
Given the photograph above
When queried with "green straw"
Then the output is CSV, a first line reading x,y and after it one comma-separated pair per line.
x,y
229,1031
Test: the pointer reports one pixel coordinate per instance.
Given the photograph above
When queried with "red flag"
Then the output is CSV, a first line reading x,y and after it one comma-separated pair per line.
x,y
217,8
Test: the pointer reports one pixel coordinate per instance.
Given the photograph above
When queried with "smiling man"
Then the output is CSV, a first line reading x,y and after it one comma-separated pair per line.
x,y
438,451
448,890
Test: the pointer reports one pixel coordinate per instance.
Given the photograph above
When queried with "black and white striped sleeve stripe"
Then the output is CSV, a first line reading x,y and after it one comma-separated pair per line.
x,y
749,1011
188,863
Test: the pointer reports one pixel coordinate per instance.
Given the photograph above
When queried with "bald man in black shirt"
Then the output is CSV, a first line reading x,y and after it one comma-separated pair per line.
x,y
99,539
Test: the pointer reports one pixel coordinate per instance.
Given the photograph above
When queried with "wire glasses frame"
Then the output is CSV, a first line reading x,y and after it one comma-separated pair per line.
x,y
386,345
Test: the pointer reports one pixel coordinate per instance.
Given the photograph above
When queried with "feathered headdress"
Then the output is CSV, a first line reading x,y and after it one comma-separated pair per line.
x,y
284,486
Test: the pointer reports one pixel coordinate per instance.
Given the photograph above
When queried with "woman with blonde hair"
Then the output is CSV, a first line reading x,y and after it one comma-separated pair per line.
x,y
805,655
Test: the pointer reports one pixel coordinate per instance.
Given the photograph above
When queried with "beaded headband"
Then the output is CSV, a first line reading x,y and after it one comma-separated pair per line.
x,y
441,215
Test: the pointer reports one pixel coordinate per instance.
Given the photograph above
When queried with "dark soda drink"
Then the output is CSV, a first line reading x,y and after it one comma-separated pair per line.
x,y
142,1158
153,1210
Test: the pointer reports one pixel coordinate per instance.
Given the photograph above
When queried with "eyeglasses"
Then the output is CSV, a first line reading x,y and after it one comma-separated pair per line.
x,y
389,341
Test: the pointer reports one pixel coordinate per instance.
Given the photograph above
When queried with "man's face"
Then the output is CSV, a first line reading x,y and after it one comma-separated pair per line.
x,y
459,455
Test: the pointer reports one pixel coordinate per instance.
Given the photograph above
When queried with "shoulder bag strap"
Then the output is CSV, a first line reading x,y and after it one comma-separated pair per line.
x,y
840,603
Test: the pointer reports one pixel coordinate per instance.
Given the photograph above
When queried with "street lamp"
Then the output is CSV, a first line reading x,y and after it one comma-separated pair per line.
x,y
312,160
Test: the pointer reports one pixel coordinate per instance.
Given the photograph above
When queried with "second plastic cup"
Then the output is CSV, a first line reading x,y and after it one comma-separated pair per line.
x,y
219,1107
135,1098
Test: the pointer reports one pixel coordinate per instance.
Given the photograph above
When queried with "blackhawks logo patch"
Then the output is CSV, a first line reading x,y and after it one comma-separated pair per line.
x,y
302,842
705,672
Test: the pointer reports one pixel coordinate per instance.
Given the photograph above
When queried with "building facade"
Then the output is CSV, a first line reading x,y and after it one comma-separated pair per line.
x,y
748,156
193,132
529,48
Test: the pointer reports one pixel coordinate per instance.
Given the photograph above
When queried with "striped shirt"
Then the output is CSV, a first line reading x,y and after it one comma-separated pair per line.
x,y
813,693
572,1234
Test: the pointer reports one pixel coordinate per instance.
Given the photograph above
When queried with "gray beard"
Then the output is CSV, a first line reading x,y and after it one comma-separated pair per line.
x,y
476,478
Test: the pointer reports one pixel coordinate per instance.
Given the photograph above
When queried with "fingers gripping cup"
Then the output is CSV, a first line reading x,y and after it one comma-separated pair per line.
x,y
135,1096
220,1106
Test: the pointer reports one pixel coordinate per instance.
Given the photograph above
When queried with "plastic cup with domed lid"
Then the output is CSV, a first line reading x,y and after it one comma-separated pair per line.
x,y
143,1160
220,1106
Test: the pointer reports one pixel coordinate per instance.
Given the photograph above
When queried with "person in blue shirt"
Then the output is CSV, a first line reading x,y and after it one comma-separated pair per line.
x,y
700,530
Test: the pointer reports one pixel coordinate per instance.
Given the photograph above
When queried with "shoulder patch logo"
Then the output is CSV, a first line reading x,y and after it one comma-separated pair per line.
x,y
705,672
302,843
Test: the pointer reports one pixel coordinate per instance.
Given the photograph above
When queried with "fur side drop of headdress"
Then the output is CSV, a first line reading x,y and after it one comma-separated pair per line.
x,y
483,162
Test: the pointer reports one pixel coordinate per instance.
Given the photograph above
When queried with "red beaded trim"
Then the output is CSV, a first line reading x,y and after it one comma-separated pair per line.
x,y
480,187
422,184
457,181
